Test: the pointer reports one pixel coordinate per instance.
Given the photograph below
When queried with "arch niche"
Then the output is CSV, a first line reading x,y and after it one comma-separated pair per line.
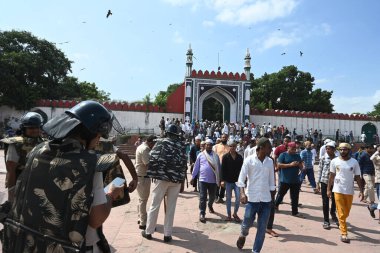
x,y
370,131
225,98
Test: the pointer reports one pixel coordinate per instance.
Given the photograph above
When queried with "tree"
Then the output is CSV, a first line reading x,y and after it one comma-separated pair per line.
x,y
33,69
376,110
162,96
289,89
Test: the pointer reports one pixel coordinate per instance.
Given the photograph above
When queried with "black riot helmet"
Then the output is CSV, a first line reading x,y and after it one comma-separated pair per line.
x,y
31,119
173,129
92,115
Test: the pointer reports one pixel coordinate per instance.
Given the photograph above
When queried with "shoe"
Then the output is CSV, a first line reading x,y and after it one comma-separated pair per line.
x,y
211,209
299,215
240,242
371,212
143,227
145,235
326,225
335,220
344,238
316,191
202,218
271,232
236,218
167,238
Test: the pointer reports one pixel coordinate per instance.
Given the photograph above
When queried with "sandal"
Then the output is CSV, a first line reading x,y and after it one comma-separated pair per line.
x,y
271,232
344,238
236,218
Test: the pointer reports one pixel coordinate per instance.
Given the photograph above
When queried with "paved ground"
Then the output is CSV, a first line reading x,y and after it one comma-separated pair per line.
x,y
189,235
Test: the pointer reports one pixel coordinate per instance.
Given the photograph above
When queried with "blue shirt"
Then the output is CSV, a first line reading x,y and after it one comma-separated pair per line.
x,y
289,175
366,165
307,158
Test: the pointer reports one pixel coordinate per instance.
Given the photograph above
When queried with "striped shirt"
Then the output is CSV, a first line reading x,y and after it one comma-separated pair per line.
x,y
324,169
307,158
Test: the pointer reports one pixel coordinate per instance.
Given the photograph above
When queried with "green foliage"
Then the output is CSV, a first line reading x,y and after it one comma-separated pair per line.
x,y
162,96
147,101
212,110
376,110
33,69
289,89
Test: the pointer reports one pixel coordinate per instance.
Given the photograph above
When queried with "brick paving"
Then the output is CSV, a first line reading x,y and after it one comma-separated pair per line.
x,y
189,235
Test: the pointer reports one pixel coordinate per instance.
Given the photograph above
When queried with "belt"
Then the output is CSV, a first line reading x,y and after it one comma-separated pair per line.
x,y
143,176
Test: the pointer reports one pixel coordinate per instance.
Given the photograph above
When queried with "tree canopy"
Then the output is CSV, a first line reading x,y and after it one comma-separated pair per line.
x,y
289,89
376,110
33,69
162,96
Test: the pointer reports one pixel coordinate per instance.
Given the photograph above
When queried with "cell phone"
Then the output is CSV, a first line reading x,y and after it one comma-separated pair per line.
x,y
117,182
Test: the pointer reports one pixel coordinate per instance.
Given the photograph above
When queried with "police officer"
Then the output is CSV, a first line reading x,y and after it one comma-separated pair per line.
x,y
59,198
18,147
167,168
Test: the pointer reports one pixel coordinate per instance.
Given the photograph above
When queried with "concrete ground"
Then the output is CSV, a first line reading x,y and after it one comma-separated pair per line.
x,y
189,235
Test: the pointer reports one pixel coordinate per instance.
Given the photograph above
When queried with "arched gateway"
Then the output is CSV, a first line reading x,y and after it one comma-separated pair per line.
x,y
232,91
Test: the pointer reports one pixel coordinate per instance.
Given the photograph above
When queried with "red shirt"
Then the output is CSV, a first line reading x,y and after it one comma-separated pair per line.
x,y
279,150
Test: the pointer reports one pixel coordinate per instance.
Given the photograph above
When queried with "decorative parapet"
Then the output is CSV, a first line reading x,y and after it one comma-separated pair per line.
x,y
114,106
218,75
320,115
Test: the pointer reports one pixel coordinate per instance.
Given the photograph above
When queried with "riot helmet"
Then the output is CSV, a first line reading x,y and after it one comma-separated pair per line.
x,y
92,115
31,119
172,129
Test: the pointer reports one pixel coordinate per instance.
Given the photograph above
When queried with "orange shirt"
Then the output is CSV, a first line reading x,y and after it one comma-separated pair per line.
x,y
221,150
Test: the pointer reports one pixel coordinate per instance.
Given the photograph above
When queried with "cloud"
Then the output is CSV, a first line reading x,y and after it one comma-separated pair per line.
x,y
362,104
208,23
177,38
247,12
321,81
242,12
276,39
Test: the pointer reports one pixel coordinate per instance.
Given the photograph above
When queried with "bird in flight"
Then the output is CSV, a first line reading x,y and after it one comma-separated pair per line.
x,y
82,69
170,23
301,53
109,13
278,29
283,53
83,22
65,42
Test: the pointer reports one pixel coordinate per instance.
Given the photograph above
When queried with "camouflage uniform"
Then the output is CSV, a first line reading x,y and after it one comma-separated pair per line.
x,y
167,165
23,145
53,198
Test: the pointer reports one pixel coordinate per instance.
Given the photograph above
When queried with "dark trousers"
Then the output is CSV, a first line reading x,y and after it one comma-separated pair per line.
x,y
271,216
294,195
204,189
325,202
220,191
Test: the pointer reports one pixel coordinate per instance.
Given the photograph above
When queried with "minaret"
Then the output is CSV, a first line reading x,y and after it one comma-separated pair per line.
x,y
189,61
247,65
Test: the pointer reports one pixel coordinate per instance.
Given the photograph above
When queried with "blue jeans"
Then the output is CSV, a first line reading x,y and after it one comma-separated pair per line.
x,y
205,188
236,189
310,176
377,189
262,209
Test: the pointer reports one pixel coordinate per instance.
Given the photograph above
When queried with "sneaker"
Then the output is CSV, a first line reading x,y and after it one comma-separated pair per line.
x,y
326,225
145,235
299,215
240,242
167,238
344,238
371,212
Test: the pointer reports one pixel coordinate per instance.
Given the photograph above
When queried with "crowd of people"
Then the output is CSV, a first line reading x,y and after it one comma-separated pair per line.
x,y
256,164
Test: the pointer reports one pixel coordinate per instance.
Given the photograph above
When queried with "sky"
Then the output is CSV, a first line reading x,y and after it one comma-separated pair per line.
x,y
141,48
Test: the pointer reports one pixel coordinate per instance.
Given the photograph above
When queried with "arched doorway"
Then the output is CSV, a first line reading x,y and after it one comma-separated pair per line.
x,y
224,98
212,110
370,131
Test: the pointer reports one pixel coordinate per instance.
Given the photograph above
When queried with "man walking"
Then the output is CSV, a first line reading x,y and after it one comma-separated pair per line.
x,y
367,169
207,168
221,149
143,185
290,164
167,168
322,181
193,156
343,171
230,170
307,158
258,170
